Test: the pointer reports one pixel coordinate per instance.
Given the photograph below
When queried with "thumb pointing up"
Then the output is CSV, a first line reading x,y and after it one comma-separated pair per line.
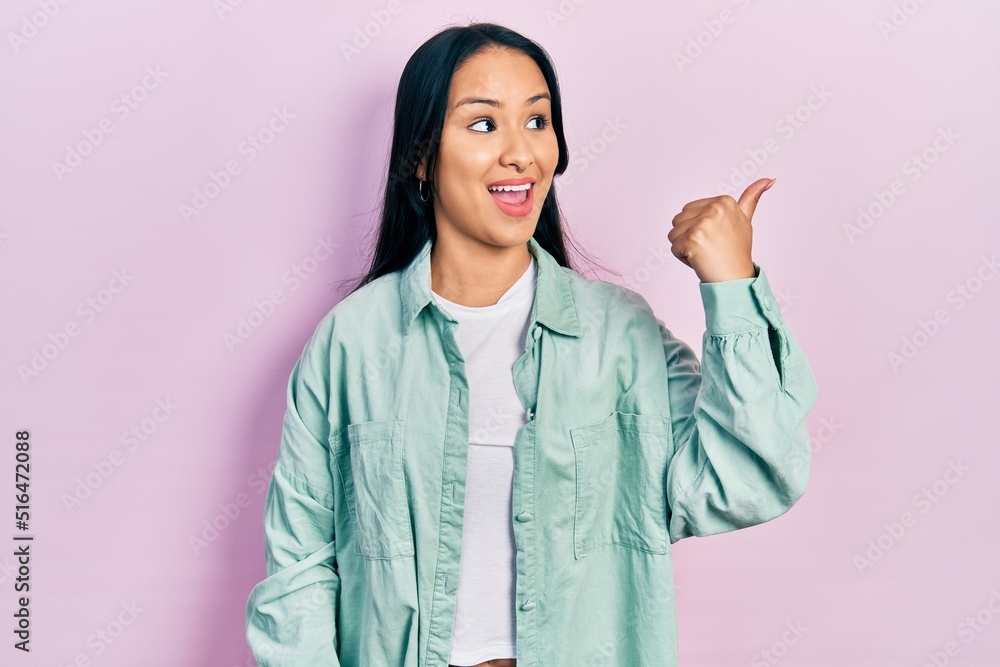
x,y
748,200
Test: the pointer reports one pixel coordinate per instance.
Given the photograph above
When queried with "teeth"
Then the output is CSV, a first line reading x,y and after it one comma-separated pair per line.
x,y
509,188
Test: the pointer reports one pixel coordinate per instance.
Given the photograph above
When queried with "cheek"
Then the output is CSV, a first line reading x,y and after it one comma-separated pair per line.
x,y
551,155
547,160
462,152
462,190
462,168
462,194
477,162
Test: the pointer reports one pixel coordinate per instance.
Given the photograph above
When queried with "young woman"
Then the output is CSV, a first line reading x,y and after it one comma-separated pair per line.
x,y
486,457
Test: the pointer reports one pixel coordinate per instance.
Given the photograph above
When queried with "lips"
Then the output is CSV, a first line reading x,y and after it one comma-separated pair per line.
x,y
513,197
512,181
515,203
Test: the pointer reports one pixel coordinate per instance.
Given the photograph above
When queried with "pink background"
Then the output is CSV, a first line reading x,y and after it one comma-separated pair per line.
x,y
882,434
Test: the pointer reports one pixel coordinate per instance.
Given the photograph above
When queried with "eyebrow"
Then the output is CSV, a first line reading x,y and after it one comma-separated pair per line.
x,y
498,104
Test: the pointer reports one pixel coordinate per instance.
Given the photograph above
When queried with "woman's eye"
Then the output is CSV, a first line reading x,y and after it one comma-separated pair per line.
x,y
543,122
480,122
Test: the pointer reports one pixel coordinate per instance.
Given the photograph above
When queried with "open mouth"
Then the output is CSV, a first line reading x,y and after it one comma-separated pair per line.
x,y
514,200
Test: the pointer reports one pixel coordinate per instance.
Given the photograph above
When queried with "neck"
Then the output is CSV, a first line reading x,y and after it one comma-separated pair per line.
x,y
476,274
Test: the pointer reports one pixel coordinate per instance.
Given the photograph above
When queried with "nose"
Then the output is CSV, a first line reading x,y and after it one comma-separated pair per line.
x,y
517,152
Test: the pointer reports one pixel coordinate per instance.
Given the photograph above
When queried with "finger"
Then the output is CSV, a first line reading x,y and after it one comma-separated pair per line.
x,y
711,206
700,203
682,228
748,200
679,249
688,214
683,221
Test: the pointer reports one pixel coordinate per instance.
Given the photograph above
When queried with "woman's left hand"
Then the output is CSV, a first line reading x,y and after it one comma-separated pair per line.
x,y
713,235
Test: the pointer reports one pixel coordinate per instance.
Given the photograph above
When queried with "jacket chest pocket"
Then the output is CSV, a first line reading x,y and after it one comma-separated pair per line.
x,y
621,470
380,508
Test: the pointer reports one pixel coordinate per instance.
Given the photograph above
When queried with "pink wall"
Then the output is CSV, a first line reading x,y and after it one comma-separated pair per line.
x,y
840,102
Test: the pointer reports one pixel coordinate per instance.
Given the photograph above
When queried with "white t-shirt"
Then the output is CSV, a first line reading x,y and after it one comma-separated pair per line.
x,y
491,339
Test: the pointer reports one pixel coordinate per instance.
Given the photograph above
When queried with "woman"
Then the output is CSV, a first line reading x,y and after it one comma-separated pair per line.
x,y
486,456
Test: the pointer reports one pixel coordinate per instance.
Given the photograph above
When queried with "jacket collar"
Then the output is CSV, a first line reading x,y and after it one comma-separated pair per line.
x,y
554,306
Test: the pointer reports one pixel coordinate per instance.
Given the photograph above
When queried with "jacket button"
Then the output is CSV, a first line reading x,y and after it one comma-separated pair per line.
x,y
531,414
528,606
768,304
537,333
524,516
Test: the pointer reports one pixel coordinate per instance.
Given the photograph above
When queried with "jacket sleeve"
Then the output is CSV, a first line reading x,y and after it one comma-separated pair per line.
x,y
741,448
292,614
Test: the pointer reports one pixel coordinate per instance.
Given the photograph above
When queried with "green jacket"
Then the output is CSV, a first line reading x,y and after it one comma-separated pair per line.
x,y
631,445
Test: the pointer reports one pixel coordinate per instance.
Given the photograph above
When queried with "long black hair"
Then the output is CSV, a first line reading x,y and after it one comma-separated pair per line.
x,y
407,222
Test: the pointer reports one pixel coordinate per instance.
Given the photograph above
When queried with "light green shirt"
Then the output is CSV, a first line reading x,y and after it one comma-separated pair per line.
x,y
630,445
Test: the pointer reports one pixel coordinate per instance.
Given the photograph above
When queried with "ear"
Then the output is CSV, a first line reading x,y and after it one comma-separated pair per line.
x,y
421,171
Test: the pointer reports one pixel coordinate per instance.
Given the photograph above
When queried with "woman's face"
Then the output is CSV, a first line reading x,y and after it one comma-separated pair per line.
x,y
497,128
